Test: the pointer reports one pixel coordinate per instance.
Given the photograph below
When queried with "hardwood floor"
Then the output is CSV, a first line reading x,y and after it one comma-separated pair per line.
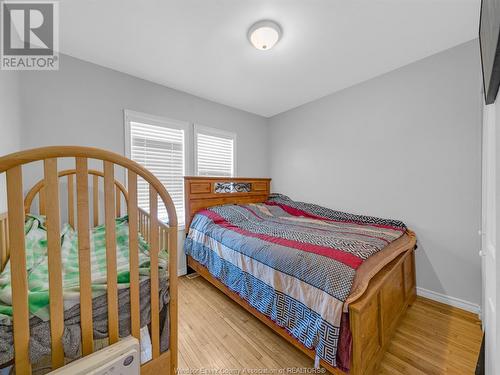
x,y
216,333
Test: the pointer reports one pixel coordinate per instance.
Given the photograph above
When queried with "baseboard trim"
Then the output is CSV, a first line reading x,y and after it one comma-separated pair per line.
x,y
448,300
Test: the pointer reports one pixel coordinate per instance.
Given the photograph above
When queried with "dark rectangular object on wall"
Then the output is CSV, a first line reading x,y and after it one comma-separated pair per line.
x,y
489,32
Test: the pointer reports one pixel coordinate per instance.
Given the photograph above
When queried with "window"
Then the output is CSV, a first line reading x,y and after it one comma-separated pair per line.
x,y
164,147
215,152
158,145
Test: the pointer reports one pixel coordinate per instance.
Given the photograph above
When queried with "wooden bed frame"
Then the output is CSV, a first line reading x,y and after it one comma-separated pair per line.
x,y
12,246
373,317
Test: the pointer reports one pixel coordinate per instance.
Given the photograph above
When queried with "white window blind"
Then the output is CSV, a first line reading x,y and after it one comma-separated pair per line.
x,y
160,149
214,153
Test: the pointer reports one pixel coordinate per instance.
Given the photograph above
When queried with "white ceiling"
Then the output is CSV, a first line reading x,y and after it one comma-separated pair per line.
x,y
201,47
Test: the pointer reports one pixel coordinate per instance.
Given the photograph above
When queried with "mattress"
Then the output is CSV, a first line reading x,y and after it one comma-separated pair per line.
x,y
294,262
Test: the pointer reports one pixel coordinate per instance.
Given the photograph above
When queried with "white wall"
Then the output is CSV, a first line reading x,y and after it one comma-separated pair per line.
x,y
82,104
10,122
404,145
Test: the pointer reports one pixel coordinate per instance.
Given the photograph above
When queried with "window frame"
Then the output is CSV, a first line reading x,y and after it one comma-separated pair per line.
x,y
140,117
215,133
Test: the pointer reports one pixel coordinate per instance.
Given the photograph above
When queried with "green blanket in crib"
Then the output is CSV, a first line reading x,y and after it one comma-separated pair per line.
x,y
37,265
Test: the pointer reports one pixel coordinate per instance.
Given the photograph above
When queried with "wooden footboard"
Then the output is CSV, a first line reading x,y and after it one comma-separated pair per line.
x,y
376,315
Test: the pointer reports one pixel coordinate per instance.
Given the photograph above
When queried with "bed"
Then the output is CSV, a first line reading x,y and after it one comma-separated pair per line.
x,y
107,272
270,254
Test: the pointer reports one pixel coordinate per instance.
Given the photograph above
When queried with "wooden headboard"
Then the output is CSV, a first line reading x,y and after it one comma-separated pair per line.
x,y
204,192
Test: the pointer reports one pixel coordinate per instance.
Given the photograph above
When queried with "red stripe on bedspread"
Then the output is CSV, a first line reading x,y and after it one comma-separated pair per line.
x,y
296,212
318,229
332,253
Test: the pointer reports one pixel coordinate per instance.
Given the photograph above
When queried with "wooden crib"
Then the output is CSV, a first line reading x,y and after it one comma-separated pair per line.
x,y
117,201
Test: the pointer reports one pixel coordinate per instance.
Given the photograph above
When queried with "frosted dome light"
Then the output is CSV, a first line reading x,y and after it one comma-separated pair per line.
x,y
264,34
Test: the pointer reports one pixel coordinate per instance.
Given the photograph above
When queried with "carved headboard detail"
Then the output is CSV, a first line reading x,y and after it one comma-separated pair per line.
x,y
204,192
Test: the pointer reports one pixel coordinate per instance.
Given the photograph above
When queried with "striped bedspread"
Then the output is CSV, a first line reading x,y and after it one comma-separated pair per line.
x,y
292,261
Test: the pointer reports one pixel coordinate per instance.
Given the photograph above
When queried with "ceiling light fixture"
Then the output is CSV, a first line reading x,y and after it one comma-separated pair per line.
x,y
264,34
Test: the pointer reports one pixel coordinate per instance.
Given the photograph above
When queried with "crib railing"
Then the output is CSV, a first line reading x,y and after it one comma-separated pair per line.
x,y
157,234
37,191
4,240
144,225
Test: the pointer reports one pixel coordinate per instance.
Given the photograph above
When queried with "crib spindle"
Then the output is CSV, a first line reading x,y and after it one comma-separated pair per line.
x,y
19,278
118,201
4,241
147,228
153,241
134,256
95,199
41,201
3,244
172,279
140,222
54,257
82,207
71,201
163,238
112,288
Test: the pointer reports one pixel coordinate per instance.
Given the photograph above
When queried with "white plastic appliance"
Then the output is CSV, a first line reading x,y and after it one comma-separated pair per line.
x,y
122,358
